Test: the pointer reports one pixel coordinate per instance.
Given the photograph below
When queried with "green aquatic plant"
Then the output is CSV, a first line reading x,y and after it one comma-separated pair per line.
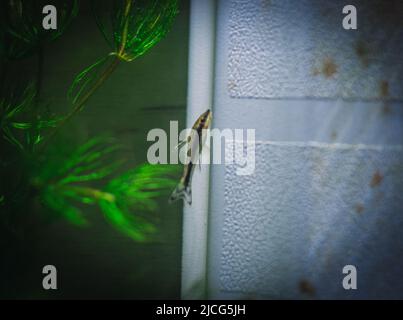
x,y
138,190
20,122
136,26
65,178
68,182
22,22
60,179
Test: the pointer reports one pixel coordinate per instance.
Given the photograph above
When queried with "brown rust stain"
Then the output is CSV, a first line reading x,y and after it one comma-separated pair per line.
x,y
363,52
376,179
359,208
307,288
329,68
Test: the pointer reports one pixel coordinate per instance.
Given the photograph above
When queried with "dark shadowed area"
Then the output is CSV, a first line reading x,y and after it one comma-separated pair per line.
x,y
97,261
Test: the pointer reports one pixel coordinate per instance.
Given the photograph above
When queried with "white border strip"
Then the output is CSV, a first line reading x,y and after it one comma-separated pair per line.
x,y
200,95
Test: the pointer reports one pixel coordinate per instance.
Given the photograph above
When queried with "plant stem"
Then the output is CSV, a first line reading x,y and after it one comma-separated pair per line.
x,y
78,106
90,192
104,76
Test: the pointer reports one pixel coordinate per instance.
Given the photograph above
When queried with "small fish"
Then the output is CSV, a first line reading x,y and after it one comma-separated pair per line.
x,y
184,188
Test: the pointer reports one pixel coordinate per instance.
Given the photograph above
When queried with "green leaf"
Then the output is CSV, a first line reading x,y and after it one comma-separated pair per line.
x,y
56,202
86,156
21,122
85,79
134,227
145,25
62,176
22,22
139,188
123,200
135,26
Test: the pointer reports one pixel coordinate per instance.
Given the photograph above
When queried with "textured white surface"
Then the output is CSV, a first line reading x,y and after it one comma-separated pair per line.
x,y
309,210
288,48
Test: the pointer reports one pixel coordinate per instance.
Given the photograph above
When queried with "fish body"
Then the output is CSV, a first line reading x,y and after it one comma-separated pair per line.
x,y
195,146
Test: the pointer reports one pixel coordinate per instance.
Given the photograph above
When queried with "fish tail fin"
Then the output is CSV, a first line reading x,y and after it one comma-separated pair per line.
x,y
181,192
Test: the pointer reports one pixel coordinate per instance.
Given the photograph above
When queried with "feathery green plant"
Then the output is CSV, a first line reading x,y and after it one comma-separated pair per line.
x,y
86,175
137,189
16,121
68,182
22,21
136,26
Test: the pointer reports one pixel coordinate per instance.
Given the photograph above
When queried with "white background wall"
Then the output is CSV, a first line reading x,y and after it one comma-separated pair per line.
x,y
326,104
